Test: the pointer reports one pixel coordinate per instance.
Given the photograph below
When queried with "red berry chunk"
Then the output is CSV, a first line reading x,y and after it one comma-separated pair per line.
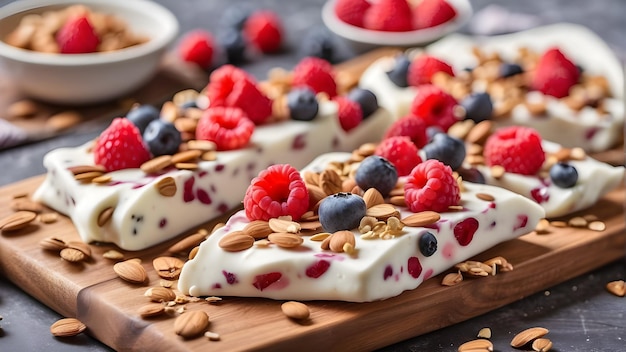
x,y
518,149
464,231
120,146
77,36
228,127
423,67
434,106
555,74
317,269
430,13
350,113
401,152
264,29
414,267
431,186
261,282
197,47
277,191
409,126
317,74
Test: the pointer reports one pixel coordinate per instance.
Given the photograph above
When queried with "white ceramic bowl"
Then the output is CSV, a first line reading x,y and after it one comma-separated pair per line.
x,y
366,38
79,79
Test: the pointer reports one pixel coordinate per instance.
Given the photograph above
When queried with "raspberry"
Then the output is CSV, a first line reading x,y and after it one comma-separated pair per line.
x,y
430,13
77,36
264,30
197,47
422,69
409,126
120,146
401,152
228,127
352,11
234,87
431,186
518,149
317,74
555,74
277,191
389,16
434,106
349,113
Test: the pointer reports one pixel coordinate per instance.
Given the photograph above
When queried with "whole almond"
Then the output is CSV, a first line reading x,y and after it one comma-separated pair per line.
x,y
373,197
23,203
131,270
67,327
72,255
52,244
295,310
105,215
316,194
191,324
285,239
311,178
452,279
382,211
151,310
236,241
542,345
81,246
160,294
421,219
339,239
280,225
528,335
476,345
258,229
187,243
617,287
167,267
330,182
17,220
113,255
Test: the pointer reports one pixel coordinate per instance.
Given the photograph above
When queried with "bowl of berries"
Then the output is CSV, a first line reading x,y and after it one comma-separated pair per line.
x,y
73,53
403,23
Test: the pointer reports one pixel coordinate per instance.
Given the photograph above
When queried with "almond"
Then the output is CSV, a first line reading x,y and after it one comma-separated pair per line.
x,y
151,310
398,201
26,204
339,239
316,193
191,324
72,255
542,345
105,215
67,327
382,211
476,345
113,255
285,239
311,178
167,267
258,229
49,218
422,219
187,243
160,294
186,156
295,310
452,279
330,182
52,244
528,335
81,246
617,288
373,197
280,225
132,271
157,164
236,241
484,333
166,186
17,220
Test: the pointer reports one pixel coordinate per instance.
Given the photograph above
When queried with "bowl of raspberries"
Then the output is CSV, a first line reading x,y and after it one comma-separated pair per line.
x,y
403,23
73,53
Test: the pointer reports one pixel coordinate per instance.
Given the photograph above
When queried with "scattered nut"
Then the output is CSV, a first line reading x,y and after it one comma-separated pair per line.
x,y
67,327
295,310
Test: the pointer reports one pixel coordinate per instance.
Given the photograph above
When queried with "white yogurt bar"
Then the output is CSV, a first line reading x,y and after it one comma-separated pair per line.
x,y
587,129
143,217
379,269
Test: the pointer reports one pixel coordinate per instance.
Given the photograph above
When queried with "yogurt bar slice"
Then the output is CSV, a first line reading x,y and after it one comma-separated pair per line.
x,y
142,216
377,269
590,126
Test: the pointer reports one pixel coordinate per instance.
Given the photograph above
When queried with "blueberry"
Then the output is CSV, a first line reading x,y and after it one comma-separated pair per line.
x,y
471,175
447,149
508,70
564,175
235,16
478,107
233,44
431,131
319,42
341,211
428,244
366,99
376,172
399,72
302,104
162,138
142,115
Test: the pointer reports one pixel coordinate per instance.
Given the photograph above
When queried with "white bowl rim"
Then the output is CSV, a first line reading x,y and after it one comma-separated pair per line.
x,y
165,17
408,38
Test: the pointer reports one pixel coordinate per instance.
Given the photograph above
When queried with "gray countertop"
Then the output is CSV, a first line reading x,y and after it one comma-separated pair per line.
x,y
580,314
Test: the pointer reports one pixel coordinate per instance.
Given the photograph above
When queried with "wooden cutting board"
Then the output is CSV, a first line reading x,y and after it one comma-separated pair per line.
x,y
93,293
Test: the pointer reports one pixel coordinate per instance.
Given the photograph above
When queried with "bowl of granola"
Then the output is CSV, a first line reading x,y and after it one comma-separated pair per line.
x,y
73,53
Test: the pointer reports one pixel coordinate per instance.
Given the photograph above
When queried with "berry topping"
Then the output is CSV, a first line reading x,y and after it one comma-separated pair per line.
x,y
423,68
341,211
389,16
409,126
555,74
518,149
235,16
447,149
349,113
464,231
471,175
162,138
276,191
401,152
400,71
509,70
197,47
77,36
478,107
120,146
142,115
222,81
315,73
376,172
431,186
563,175
228,127
264,29
366,99
352,11
430,13
434,106
233,44
302,104
428,244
